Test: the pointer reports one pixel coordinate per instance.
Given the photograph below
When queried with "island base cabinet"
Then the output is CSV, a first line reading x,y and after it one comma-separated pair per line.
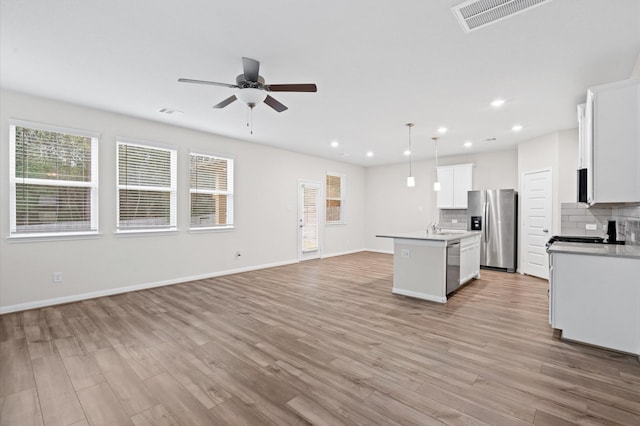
x,y
419,270
596,300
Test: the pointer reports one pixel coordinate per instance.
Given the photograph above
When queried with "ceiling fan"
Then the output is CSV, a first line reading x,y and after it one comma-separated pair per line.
x,y
252,88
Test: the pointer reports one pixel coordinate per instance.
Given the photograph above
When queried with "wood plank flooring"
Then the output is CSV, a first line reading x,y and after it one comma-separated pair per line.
x,y
321,342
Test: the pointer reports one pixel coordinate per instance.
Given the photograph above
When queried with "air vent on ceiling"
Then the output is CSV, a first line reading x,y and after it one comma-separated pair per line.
x,y
475,14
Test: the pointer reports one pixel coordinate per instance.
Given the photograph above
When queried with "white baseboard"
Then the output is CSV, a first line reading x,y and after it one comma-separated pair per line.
x,y
342,253
418,295
119,290
379,251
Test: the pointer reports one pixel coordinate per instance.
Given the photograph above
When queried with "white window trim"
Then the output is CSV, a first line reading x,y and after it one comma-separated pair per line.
x,y
13,180
229,192
343,192
173,190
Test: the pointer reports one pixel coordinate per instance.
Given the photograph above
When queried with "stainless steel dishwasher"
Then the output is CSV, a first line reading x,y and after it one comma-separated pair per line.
x,y
453,266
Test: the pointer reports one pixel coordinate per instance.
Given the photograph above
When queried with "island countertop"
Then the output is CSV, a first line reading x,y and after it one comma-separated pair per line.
x,y
444,235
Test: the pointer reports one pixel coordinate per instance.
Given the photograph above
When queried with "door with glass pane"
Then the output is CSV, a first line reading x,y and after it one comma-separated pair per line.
x,y
309,220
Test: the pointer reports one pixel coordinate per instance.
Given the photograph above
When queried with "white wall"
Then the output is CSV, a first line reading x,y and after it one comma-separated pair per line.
x,y
558,152
265,213
392,207
568,165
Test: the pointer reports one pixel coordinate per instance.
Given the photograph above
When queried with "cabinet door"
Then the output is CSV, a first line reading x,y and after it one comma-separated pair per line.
x,y
596,300
462,183
616,143
445,195
476,256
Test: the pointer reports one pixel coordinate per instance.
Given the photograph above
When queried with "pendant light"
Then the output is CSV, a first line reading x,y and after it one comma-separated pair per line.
x,y
436,184
411,181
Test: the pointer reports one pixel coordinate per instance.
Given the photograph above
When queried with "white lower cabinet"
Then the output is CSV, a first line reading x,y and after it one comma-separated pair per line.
x,y
596,300
469,258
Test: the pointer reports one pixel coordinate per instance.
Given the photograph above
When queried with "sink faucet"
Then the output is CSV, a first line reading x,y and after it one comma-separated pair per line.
x,y
433,228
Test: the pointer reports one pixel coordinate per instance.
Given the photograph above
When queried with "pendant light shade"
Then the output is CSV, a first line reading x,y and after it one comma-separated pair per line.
x,y
411,181
436,184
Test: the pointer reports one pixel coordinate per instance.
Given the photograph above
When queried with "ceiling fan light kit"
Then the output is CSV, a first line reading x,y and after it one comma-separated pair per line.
x,y
251,97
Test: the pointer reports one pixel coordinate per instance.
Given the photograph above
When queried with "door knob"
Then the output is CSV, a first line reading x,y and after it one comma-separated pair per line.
x,y
545,230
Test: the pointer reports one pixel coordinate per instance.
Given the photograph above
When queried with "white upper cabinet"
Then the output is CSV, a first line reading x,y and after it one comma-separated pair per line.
x,y
612,130
455,182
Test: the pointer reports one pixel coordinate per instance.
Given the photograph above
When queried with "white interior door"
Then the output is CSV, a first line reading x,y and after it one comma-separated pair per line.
x,y
536,222
309,220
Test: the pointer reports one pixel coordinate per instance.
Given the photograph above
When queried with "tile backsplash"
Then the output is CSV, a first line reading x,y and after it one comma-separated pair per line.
x,y
576,216
453,218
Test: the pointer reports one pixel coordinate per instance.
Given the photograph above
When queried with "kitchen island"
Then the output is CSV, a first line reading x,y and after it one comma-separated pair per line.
x,y
423,261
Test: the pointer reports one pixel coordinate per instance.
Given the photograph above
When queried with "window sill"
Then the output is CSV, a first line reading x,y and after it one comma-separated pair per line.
x,y
145,232
212,229
29,238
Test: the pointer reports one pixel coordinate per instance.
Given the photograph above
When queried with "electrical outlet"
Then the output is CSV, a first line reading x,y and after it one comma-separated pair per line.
x,y
57,277
405,253
454,220
591,227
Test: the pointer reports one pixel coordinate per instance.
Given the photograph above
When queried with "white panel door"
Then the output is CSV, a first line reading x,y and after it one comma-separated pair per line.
x,y
536,222
309,220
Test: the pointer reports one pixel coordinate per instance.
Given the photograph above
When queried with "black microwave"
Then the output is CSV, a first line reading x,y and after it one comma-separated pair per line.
x,y
582,185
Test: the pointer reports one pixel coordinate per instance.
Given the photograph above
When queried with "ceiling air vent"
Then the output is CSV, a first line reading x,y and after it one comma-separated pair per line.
x,y
475,14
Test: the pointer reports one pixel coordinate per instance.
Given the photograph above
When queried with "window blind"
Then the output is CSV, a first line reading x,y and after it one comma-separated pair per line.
x,y
53,181
334,198
147,182
311,222
211,190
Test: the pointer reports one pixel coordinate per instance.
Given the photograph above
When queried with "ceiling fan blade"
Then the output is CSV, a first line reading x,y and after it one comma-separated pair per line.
x,y
251,68
274,104
291,87
211,83
226,102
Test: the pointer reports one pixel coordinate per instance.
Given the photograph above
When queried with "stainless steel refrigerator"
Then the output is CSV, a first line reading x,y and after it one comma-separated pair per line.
x,y
494,212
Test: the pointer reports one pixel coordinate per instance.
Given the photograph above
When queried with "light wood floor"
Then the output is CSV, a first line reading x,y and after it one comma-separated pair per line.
x,y
322,342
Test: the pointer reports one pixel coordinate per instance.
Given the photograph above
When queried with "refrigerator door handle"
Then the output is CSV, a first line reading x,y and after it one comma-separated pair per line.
x,y
486,221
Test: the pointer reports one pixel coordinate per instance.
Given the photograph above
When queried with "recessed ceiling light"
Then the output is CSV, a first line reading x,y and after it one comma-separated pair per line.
x,y
468,144
170,111
407,152
497,103
334,144
517,128
369,153
442,130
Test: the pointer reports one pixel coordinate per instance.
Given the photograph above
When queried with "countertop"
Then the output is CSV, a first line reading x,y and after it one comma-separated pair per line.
x,y
424,235
611,250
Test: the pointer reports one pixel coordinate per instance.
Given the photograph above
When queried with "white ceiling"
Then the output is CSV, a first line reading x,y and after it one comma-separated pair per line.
x,y
378,65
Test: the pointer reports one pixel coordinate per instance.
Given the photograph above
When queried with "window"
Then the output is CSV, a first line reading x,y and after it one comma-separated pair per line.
x,y
53,181
211,188
335,198
146,187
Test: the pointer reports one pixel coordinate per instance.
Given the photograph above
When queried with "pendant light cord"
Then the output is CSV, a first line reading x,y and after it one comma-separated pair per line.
x,y
410,149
